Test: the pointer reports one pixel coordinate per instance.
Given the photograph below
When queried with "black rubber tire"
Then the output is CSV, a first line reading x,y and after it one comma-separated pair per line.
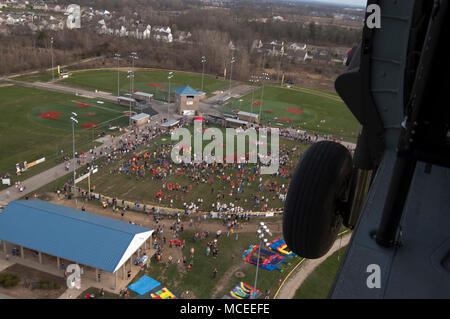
x,y
311,219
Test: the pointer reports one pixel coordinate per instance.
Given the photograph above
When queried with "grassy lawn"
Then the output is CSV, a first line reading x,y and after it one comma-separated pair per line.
x,y
44,76
319,282
318,114
127,187
199,280
106,80
24,136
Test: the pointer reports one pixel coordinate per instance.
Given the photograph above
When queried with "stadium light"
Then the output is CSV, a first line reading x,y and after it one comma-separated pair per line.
x,y
171,75
117,57
203,69
74,120
260,234
131,77
231,70
51,48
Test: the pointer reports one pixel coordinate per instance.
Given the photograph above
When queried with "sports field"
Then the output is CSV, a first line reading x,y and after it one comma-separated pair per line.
x,y
108,181
154,82
284,107
319,282
36,124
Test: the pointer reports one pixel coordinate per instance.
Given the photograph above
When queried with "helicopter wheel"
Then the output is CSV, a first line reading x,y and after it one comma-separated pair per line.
x,y
316,199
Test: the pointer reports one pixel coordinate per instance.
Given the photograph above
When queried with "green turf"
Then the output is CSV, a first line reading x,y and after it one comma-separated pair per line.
x,y
127,187
106,80
339,121
94,113
26,137
44,76
319,282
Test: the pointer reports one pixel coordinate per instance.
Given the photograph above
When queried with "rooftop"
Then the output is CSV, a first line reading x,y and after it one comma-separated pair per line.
x,y
186,90
81,237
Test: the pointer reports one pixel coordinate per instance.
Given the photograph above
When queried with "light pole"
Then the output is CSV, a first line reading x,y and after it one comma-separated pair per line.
x,y
130,76
203,70
168,100
231,71
74,120
133,57
262,230
264,77
281,60
51,48
253,80
117,57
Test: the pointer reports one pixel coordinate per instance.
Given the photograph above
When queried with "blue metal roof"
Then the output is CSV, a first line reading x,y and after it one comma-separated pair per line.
x,y
68,233
186,90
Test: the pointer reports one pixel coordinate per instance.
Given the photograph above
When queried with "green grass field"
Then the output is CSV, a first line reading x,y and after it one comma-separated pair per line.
x,y
106,80
199,279
24,136
127,187
319,282
336,119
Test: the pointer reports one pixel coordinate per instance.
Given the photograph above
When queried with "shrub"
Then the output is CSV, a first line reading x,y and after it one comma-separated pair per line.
x,y
9,280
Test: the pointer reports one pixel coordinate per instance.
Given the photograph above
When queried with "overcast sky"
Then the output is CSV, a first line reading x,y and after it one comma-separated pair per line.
x,y
350,2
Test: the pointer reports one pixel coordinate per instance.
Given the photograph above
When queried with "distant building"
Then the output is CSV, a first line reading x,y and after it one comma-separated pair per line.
x,y
248,117
229,122
142,96
187,100
140,119
122,100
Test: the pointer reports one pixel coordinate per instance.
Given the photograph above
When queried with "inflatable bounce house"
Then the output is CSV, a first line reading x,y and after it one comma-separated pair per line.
x,y
164,293
268,260
279,245
244,291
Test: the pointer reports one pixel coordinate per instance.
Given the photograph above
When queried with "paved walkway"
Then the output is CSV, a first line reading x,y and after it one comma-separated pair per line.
x,y
309,265
35,182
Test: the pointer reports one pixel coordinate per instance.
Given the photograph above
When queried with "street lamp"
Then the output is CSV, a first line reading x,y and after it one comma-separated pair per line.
x,y
51,48
131,77
231,71
117,57
203,70
74,120
262,230
168,101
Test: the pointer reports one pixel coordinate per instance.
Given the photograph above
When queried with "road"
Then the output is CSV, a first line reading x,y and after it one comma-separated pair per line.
x,y
64,89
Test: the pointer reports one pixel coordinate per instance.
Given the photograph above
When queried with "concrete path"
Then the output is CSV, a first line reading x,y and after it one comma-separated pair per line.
x,y
35,182
309,265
